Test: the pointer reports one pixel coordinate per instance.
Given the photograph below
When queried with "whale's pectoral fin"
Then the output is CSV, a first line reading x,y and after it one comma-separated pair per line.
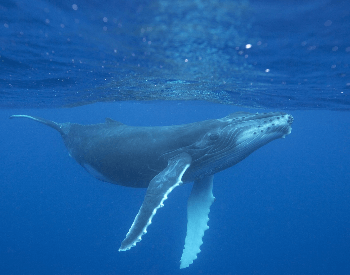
x,y
157,192
198,208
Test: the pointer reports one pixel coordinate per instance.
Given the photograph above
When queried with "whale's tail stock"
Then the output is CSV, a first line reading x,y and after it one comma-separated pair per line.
x,y
52,124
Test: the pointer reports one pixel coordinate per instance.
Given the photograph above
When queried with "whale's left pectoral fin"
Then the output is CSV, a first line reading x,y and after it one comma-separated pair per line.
x,y
198,208
157,192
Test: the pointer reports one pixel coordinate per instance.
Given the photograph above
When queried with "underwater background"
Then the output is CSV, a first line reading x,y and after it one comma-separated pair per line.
x,y
283,210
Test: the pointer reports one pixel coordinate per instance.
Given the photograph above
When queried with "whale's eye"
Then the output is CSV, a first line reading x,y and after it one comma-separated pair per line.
x,y
213,136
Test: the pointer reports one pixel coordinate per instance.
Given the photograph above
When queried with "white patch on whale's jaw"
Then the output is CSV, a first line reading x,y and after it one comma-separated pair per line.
x,y
290,130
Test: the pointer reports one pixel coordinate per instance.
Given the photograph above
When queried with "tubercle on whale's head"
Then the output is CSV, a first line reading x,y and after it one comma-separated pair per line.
x,y
252,131
235,137
243,133
268,126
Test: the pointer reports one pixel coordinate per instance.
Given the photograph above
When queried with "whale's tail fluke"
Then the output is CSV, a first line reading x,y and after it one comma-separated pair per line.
x,y
52,124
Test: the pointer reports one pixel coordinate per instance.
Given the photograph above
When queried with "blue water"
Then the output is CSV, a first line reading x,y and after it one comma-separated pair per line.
x,y
270,54
283,210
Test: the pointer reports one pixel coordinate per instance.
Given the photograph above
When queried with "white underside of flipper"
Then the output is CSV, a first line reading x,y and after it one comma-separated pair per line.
x,y
157,192
198,209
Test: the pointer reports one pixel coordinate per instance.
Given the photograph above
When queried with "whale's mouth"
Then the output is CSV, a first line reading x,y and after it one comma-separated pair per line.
x,y
290,121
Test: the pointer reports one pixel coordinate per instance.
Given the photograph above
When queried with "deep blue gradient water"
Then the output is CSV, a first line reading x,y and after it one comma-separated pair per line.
x,y
283,210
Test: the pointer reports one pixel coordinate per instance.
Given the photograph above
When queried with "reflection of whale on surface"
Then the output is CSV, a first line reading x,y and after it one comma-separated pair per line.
x,y
162,158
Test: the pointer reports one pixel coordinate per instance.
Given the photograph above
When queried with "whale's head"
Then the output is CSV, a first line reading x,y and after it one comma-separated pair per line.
x,y
235,137
251,130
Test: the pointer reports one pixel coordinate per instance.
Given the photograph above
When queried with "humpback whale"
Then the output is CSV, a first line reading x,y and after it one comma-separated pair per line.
x,y
162,158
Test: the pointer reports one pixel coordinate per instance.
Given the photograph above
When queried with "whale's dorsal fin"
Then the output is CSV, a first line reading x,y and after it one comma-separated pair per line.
x,y
157,192
109,120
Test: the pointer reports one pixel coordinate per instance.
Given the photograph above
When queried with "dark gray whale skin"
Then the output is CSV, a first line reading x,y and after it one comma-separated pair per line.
x,y
164,157
132,156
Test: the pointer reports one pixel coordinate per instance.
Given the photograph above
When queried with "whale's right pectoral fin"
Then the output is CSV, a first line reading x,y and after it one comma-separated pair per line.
x,y
157,192
198,208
